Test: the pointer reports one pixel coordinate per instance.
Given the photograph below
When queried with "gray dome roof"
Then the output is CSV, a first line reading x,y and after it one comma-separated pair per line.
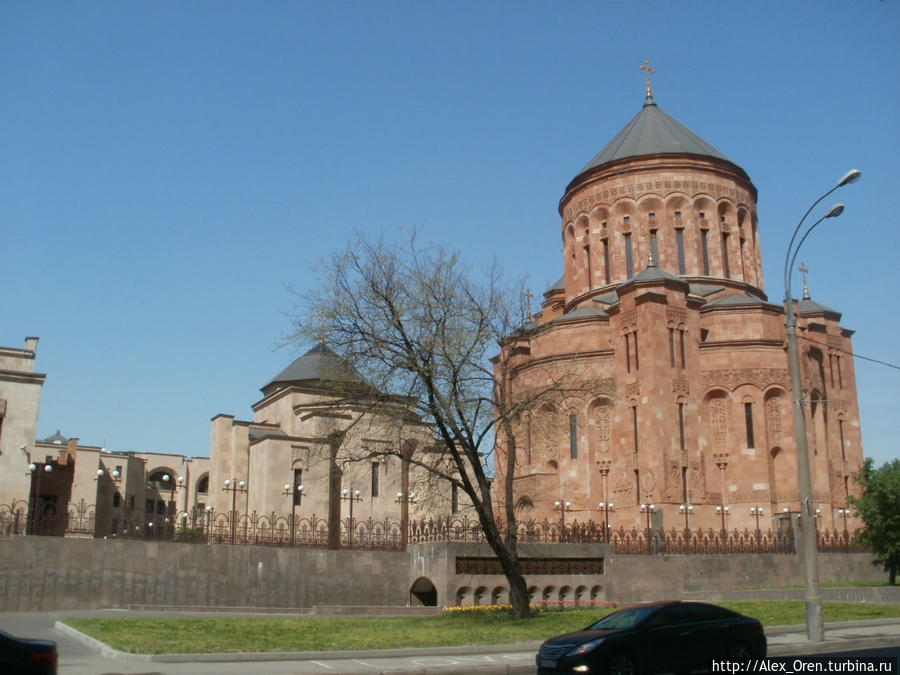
x,y
319,364
653,132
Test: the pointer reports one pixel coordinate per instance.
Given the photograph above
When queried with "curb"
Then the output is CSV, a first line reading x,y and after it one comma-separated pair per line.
x,y
798,648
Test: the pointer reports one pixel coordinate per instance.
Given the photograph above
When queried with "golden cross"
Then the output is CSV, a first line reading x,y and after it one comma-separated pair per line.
x,y
804,271
645,66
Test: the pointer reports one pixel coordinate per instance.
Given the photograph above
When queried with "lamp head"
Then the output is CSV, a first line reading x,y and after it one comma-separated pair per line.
x,y
835,211
851,176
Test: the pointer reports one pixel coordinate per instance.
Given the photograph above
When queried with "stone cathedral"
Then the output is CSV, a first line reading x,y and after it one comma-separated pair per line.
x,y
683,396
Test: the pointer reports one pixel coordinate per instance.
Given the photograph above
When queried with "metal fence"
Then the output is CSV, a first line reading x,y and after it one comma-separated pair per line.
x,y
80,520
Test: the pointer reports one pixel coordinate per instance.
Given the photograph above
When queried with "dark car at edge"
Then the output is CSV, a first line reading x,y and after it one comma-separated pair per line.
x,y
655,638
27,657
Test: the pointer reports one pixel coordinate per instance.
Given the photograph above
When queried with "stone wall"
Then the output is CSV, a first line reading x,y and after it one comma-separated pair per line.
x,y
46,573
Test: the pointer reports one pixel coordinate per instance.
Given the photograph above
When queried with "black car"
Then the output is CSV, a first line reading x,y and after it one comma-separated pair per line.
x,y
27,657
657,637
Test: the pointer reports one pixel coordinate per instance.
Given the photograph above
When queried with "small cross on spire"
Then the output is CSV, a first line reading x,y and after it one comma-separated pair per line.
x,y
645,66
804,271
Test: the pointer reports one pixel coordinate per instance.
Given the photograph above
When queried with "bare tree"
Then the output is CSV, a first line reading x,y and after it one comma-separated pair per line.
x,y
416,323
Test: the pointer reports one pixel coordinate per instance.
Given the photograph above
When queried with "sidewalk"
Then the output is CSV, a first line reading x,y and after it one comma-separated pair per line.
x,y
500,659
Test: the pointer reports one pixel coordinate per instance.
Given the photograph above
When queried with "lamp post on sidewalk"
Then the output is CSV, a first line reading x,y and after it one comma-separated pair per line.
x,y
295,492
234,487
562,506
350,496
815,628
649,510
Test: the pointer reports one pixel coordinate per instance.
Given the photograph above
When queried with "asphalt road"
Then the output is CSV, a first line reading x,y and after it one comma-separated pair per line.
x,y
79,658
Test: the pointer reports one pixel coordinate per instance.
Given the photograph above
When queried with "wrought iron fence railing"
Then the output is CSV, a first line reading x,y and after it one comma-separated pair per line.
x,y
273,529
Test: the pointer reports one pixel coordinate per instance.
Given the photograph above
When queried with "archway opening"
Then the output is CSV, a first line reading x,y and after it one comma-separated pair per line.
x,y
423,593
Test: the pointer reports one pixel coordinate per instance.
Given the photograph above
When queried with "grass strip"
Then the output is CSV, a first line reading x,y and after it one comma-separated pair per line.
x,y
220,634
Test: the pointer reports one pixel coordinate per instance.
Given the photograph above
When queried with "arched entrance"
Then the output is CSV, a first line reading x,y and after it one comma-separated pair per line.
x,y
423,593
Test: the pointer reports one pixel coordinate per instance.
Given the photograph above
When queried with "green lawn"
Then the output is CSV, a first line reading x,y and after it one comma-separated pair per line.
x,y
205,635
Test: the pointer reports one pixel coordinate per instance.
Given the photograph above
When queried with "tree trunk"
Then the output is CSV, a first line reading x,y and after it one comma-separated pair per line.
x,y
892,576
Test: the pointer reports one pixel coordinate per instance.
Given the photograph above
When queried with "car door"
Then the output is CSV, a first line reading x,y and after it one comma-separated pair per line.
x,y
663,649
707,627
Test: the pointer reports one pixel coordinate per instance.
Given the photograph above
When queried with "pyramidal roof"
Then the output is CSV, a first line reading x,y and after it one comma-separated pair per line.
x,y
653,132
320,363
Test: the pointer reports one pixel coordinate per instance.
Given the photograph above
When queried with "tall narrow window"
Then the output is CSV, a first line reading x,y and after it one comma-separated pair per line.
x,y
654,246
627,353
672,347
679,241
704,245
573,436
374,479
629,261
748,420
840,374
681,426
726,269
637,363
528,438
742,242
831,367
637,486
634,427
298,480
454,498
681,346
841,431
587,264
606,271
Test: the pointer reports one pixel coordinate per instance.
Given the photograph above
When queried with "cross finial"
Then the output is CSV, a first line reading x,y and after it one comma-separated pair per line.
x,y
528,296
804,271
645,66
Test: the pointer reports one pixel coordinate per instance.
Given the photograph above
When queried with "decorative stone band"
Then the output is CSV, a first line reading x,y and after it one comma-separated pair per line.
x,y
662,187
732,378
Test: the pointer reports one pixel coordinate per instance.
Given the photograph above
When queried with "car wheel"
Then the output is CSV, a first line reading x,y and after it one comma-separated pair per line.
x,y
621,663
738,651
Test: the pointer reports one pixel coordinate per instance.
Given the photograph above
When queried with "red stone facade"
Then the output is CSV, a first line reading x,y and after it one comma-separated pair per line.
x,y
669,362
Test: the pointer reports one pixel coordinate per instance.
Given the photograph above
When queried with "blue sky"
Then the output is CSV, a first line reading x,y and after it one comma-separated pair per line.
x,y
166,169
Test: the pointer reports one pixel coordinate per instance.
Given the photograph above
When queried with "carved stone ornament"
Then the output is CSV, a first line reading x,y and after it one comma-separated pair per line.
x,y
681,387
656,185
732,378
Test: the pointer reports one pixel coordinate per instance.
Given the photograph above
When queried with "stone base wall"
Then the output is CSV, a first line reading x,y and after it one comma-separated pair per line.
x,y
48,573
638,578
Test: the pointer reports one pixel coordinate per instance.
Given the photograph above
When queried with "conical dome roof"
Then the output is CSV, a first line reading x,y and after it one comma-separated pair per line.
x,y
653,132
319,364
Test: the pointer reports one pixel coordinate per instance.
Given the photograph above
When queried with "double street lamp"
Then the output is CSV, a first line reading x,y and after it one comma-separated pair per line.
x,y
815,628
562,506
295,492
234,487
649,510
351,496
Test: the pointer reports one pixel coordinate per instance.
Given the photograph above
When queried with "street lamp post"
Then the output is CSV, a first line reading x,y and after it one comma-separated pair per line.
x,y
757,512
843,514
351,496
36,503
562,506
234,487
687,510
209,521
815,629
723,512
607,508
405,501
648,509
295,492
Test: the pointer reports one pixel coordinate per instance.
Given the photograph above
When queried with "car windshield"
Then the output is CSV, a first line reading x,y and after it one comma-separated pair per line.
x,y
626,618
